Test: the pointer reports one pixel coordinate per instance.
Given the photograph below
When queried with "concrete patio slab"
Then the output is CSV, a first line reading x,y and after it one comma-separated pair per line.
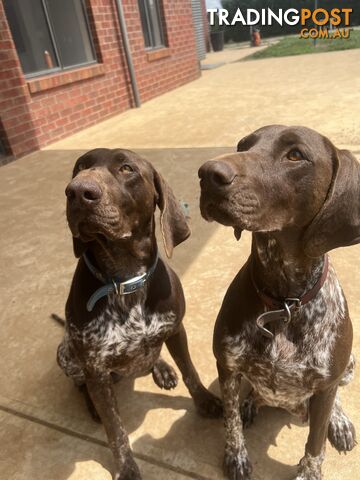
x,y
231,54
45,430
32,451
320,91
165,431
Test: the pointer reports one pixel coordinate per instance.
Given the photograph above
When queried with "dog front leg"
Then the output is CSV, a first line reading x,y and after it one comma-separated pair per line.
x,y
236,461
101,391
206,403
320,407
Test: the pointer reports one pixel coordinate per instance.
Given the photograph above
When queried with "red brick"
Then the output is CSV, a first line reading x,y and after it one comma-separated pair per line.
x,y
60,108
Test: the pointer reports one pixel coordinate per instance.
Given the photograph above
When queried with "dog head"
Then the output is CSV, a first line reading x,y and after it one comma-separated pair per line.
x,y
112,197
286,178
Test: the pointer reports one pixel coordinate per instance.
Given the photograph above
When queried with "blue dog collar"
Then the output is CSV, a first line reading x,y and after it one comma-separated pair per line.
x,y
115,285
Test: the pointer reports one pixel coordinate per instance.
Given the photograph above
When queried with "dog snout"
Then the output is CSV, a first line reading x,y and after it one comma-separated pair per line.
x,y
83,191
217,173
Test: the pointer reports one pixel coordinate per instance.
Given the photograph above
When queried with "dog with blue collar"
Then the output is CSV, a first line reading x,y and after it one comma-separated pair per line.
x,y
125,301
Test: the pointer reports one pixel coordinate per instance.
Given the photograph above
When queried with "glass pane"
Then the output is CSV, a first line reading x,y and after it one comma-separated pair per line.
x,y
31,35
144,23
155,22
70,31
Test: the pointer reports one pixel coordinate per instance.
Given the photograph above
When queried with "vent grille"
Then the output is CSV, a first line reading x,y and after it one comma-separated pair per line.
x,y
198,20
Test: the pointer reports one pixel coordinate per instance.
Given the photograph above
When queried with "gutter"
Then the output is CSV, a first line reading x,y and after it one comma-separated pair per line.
x,y
129,60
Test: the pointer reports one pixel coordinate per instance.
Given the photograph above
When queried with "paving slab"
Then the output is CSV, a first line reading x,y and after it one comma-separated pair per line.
x,y
45,430
165,432
231,54
31,451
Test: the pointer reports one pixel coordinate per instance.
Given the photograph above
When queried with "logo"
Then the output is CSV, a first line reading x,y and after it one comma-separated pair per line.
x,y
326,24
317,23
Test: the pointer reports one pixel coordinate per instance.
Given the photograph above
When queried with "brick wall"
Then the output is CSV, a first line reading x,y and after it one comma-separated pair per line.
x,y
15,115
157,75
37,112
70,107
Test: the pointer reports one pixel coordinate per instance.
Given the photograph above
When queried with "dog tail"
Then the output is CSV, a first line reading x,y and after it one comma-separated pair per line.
x,y
58,319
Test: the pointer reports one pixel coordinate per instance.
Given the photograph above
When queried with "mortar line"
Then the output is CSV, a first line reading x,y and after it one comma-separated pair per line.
x,y
101,443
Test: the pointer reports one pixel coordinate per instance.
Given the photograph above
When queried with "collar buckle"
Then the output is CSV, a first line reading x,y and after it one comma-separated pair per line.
x,y
284,314
114,284
125,288
293,303
116,287
290,304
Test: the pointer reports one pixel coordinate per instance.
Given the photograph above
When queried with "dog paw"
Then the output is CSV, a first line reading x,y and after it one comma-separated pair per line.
x,y
208,405
164,375
248,412
306,476
129,471
310,467
341,433
237,466
127,476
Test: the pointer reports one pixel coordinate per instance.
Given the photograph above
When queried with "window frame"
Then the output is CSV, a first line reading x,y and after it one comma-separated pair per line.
x,y
60,68
149,29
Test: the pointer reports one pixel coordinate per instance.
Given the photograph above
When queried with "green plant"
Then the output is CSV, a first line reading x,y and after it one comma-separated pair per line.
x,y
293,45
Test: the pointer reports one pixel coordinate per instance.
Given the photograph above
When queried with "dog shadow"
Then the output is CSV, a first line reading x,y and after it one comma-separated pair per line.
x,y
193,445
196,444
83,441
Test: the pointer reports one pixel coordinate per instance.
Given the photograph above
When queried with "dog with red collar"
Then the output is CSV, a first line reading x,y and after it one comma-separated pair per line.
x,y
284,324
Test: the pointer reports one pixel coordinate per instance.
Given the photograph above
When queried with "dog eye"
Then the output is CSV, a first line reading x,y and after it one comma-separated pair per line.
x,y
126,168
295,155
80,167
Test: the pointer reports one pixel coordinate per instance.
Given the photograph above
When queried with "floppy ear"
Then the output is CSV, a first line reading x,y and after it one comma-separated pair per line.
x,y
79,247
338,222
174,228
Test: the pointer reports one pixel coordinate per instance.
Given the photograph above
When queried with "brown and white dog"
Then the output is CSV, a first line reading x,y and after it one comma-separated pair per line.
x,y
284,323
124,301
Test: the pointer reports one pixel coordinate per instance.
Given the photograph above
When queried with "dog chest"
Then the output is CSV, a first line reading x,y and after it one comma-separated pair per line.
x,y
282,384
288,368
126,341
283,371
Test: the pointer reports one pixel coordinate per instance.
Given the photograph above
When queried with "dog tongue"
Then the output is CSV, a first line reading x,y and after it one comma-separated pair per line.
x,y
237,233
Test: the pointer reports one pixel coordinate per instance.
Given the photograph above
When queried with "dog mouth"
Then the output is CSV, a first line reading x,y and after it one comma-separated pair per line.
x,y
89,226
86,231
217,212
238,211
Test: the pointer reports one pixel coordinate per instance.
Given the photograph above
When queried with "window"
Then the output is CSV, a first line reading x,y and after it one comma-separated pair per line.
x,y
50,35
151,23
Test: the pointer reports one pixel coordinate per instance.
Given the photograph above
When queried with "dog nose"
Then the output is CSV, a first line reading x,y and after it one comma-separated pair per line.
x,y
85,191
217,172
